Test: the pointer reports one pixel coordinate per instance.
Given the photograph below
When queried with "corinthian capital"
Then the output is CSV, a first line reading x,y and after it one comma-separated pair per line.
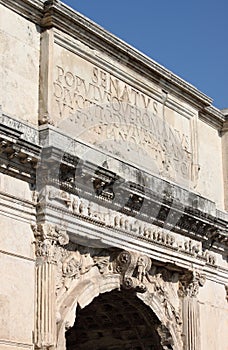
x,y
190,284
48,237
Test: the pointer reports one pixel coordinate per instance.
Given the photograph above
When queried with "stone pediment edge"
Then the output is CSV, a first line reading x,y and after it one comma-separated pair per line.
x,y
56,14
59,15
30,9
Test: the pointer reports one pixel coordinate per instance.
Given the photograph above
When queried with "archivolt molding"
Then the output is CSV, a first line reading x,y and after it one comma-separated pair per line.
x,y
155,286
69,275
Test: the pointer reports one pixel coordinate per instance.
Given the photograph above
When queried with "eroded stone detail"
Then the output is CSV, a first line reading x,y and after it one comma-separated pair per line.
x,y
190,284
66,266
133,268
49,241
48,237
166,338
97,214
226,288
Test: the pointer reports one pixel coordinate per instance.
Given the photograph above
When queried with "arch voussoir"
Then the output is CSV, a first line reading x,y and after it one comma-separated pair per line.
x,y
129,271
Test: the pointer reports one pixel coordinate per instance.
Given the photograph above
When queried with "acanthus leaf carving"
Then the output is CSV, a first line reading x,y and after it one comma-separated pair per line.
x,y
48,237
190,284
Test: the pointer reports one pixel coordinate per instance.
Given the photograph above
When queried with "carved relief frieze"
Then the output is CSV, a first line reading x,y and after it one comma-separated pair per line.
x,y
76,261
101,215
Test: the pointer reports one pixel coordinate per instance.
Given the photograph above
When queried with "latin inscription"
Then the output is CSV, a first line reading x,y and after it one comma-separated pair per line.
x,y
73,93
116,117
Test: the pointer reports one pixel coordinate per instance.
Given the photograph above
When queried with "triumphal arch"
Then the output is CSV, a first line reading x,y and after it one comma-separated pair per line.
x,y
114,193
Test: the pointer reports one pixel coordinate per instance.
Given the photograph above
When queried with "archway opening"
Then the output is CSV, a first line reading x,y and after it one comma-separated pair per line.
x,y
114,321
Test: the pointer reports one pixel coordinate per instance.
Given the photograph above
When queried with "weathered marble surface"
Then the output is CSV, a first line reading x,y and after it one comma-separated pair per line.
x,y
225,156
123,116
19,66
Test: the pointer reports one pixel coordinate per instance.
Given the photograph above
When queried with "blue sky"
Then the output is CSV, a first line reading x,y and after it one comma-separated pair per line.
x,y
188,37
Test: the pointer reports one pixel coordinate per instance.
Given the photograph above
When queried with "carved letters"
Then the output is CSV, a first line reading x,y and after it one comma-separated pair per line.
x,y
101,107
72,93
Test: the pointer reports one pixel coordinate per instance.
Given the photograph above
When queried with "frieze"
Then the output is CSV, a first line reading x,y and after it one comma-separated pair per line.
x,y
28,133
100,215
190,214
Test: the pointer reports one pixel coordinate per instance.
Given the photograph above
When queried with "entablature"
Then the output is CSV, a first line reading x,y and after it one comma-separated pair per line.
x,y
31,9
19,149
99,189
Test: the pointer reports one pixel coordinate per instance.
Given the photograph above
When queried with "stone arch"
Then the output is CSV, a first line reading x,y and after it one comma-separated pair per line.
x,y
84,292
117,320
169,331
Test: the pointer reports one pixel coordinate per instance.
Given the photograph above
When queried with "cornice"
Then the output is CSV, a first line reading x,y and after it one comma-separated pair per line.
x,y
53,13
197,216
212,116
19,149
62,17
30,9
58,15
23,211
